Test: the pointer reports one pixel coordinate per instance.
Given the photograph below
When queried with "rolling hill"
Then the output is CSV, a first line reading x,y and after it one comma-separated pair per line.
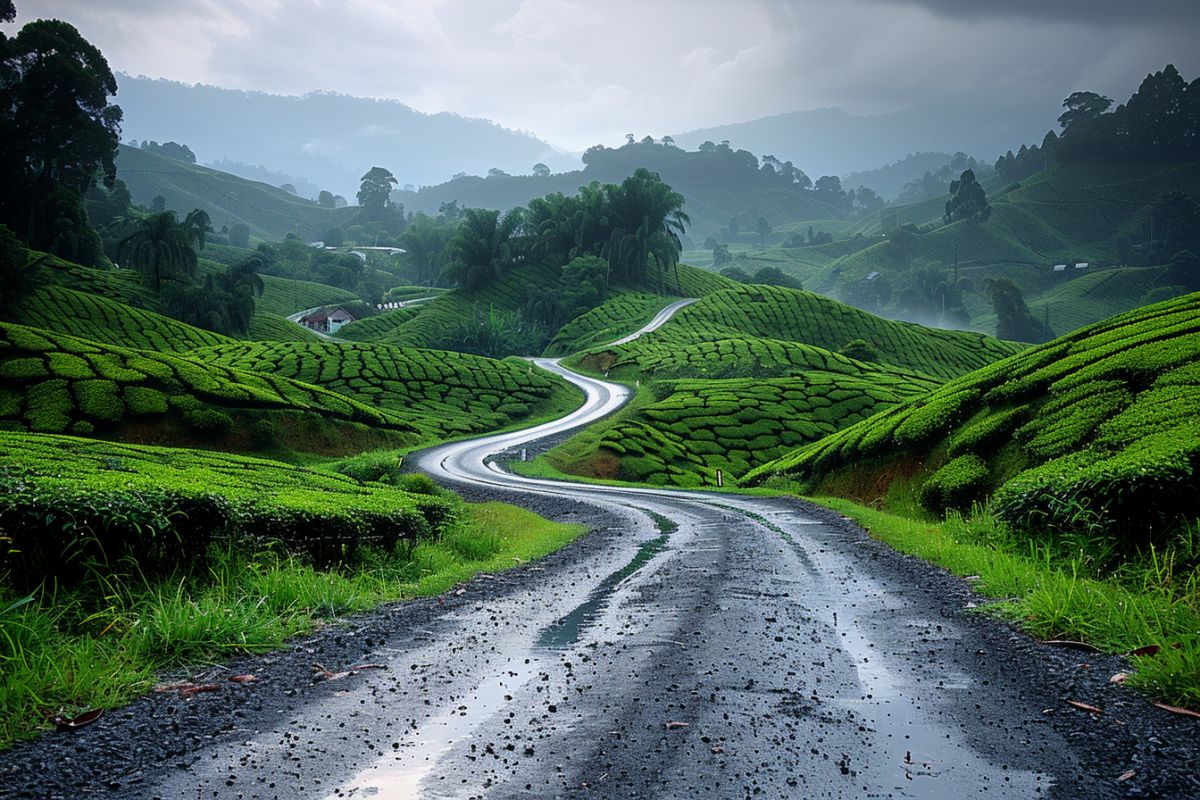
x,y
1100,426
269,212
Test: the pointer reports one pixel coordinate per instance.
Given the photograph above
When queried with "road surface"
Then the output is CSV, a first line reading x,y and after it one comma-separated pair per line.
x,y
693,645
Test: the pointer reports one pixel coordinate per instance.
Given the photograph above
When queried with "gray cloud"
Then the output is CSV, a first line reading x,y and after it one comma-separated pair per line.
x,y
1098,12
578,72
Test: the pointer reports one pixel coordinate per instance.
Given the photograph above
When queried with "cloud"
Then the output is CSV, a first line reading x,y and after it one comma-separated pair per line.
x,y
579,73
1089,12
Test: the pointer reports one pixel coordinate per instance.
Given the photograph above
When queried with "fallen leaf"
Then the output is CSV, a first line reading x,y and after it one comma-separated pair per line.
x,y
79,720
1120,677
173,687
1187,712
1071,643
1147,650
717,750
188,691
243,678
1084,706
1124,776
672,726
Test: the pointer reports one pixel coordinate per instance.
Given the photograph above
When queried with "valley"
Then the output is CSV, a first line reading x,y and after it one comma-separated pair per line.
x,y
653,469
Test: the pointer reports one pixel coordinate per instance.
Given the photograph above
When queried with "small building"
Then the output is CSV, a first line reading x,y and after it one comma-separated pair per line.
x,y
327,321
1060,267
1081,265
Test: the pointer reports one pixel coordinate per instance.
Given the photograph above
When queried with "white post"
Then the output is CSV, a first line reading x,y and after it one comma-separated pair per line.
x,y
720,479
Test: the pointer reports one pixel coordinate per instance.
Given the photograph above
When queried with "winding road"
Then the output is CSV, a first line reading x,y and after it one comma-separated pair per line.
x,y
694,645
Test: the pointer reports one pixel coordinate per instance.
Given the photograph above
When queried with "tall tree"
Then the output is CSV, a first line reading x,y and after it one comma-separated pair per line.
x,y
1082,107
56,125
485,244
160,248
198,225
967,200
1013,320
374,193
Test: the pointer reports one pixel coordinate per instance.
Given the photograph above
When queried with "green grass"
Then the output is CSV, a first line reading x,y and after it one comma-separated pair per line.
x,y
53,383
1097,430
444,394
758,327
270,328
100,646
1054,592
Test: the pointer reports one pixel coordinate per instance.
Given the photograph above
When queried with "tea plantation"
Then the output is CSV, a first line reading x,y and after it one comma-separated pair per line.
x,y
754,330
54,383
377,328
1098,428
616,317
443,393
64,500
92,316
700,427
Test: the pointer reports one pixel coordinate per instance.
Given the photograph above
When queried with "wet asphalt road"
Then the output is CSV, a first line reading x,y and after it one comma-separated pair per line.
x,y
691,646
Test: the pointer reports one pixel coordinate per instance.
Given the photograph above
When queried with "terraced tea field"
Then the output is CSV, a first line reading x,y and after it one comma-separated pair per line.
x,y
1104,422
378,327
444,393
608,322
54,383
755,330
94,317
167,504
700,427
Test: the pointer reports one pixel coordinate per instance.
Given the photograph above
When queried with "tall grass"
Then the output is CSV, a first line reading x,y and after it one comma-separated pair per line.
x,y
1080,587
104,642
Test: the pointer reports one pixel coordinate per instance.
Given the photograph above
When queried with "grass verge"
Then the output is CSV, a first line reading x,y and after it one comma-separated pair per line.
x,y
102,643
1072,589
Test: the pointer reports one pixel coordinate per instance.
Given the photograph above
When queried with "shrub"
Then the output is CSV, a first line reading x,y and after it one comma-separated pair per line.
x,y
381,467
959,483
208,421
99,400
144,400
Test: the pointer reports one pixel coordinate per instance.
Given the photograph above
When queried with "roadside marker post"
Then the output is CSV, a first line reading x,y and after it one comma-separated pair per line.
x,y
720,479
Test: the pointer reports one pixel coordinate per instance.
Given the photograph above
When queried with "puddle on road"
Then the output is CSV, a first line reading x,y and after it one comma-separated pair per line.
x,y
399,775
565,632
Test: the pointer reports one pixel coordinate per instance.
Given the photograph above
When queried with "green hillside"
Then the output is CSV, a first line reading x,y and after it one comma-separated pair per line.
x,y
1100,427
167,505
54,383
443,393
613,319
449,316
699,427
95,317
269,212
376,328
1068,213
755,330
717,185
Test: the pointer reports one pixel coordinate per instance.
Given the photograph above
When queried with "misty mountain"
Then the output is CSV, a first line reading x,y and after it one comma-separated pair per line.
x,y
889,180
323,139
716,185
830,141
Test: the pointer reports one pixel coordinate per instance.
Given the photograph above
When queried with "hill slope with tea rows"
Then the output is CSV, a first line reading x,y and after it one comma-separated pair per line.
x,y
749,331
1103,423
55,383
444,393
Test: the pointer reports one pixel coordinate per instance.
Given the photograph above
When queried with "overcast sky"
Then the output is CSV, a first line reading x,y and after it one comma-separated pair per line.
x,y
577,72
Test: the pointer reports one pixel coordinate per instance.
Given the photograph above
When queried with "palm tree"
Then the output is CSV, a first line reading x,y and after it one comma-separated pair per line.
x,y
485,244
159,247
198,224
